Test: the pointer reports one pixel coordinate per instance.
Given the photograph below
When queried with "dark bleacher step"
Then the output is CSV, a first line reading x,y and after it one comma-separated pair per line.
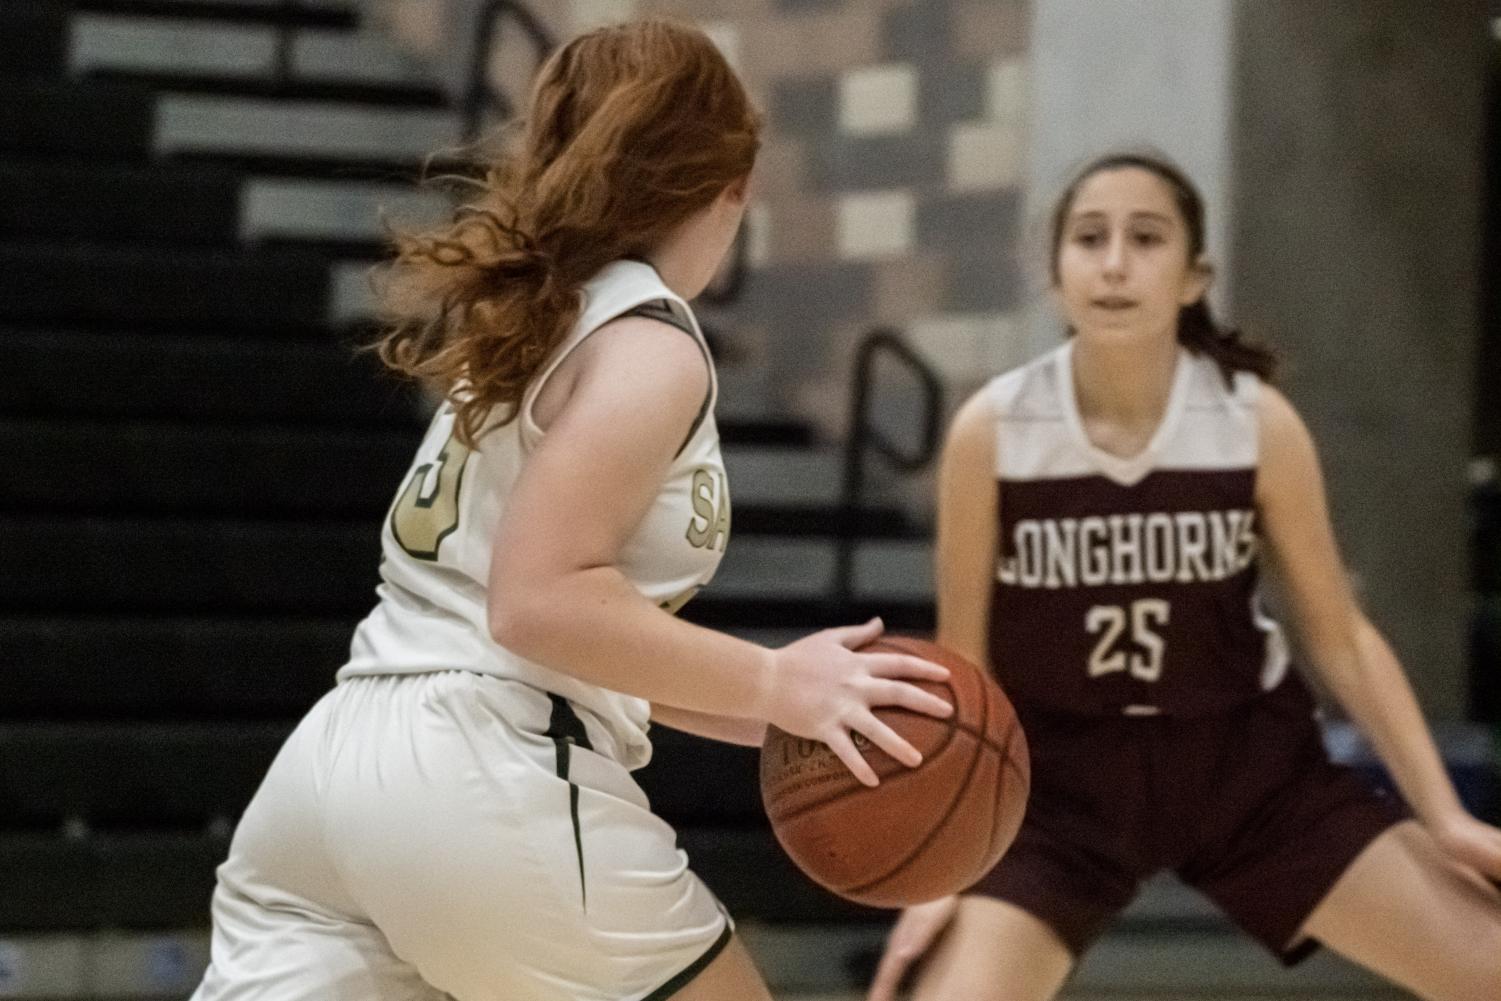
x,y
264,292
41,118
33,40
158,469
873,522
310,166
786,433
274,12
160,775
392,95
80,566
332,250
674,781
88,202
715,611
183,668
107,881
201,377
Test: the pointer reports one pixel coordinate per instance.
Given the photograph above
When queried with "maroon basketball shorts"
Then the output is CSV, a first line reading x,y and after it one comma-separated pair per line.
x,y
1245,807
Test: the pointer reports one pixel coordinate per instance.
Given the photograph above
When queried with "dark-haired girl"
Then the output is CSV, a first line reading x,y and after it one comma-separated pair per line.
x,y
1102,511
457,818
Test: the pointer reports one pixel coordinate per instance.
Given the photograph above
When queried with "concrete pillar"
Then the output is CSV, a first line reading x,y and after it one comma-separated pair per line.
x,y
1357,194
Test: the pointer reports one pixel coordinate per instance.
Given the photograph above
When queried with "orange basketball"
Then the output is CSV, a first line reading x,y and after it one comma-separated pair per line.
x,y
924,832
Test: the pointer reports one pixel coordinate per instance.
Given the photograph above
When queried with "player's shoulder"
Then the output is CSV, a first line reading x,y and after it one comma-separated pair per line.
x,y
1026,394
1029,392
643,366
650,344
1280,424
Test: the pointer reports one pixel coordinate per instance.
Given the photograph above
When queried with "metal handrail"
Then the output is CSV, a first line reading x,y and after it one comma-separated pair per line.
x,y
479,95
865,437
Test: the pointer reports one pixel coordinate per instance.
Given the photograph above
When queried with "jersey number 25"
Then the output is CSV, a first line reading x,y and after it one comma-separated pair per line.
x,y
1110,621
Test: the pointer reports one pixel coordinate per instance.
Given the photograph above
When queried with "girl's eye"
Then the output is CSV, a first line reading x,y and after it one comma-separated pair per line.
x,y
1148,239
1089,238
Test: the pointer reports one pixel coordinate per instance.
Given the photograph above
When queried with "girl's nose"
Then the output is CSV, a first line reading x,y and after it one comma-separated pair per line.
x,y
1115,256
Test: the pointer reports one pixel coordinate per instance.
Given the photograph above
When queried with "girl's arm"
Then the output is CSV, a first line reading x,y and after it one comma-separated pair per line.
x,y
730,729
1348,653
968,528
556,595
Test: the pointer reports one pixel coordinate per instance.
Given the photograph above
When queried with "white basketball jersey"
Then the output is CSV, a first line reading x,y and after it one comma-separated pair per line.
x,y
437,539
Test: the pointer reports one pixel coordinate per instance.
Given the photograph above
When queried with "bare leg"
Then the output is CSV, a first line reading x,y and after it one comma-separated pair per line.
x,y
730,977
994,951
1404,911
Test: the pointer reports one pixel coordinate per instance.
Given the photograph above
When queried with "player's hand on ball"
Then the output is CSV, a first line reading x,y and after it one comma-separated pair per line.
x,y
911,936
1471,843
823,690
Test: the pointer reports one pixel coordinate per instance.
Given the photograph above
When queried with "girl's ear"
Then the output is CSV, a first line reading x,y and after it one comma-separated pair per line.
x,y
1200,278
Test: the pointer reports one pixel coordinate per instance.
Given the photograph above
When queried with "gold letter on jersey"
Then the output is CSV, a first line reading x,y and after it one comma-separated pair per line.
x,y
710,525
427,511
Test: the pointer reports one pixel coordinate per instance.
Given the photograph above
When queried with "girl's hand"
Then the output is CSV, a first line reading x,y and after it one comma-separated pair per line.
x,y
823,690
1471,843
911,936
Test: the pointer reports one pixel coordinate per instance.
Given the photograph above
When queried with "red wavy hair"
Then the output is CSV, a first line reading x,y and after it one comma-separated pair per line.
x,y
631,129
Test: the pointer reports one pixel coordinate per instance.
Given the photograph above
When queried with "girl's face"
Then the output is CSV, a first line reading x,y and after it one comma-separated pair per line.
x,y
1124,266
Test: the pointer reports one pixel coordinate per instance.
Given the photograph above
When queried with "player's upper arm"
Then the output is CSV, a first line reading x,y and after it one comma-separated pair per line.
x,y
968,520
1295,515
639,385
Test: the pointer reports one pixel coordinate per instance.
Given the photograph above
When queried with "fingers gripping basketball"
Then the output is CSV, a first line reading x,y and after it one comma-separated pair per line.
x,y
924,832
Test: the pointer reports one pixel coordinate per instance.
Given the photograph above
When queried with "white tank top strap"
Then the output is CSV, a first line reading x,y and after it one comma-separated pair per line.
x,y
620,289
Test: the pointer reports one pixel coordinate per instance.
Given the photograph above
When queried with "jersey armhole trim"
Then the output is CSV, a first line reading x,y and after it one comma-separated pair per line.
x,y
662,311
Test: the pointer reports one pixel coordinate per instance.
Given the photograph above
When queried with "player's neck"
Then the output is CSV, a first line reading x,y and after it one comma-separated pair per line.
x,y
1123,381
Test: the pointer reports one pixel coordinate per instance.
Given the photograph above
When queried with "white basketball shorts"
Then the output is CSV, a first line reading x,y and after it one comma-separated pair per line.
x,y
454,835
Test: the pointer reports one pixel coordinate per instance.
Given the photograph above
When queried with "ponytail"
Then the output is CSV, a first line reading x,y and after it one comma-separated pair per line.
x,y
1230,349
631,129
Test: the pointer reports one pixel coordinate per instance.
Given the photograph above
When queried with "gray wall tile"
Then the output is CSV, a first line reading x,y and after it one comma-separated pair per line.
x,y
919,32
965,224
805,106
860,163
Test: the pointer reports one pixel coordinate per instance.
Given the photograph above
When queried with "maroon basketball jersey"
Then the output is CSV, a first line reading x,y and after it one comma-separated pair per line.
x,y
1129,585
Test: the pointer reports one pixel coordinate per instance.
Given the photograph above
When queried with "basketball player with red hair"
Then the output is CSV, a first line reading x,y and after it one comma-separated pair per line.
x,y
457,818
1101,515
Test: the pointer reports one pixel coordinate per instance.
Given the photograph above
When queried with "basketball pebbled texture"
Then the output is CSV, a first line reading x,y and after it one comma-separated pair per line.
x,y
924,832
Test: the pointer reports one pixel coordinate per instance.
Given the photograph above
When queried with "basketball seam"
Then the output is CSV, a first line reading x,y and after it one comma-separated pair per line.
x,y
959,791
995,815
979,735
947,740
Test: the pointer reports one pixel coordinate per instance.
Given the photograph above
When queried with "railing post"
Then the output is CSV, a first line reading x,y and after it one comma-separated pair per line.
x,y
478,94
862,436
